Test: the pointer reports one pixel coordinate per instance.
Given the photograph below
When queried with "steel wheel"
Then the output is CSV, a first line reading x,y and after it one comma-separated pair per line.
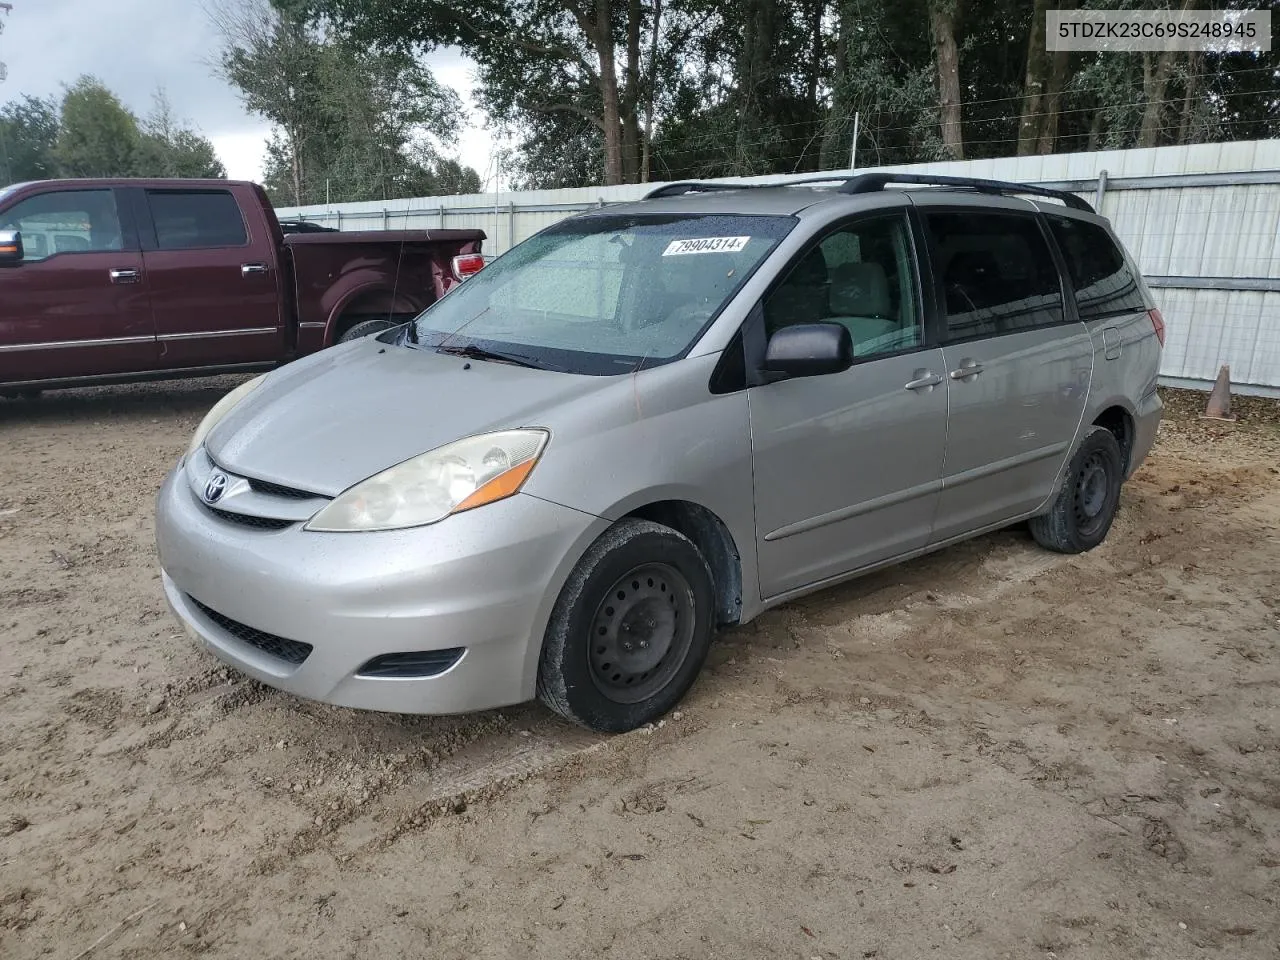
x,y
1092,491
641,632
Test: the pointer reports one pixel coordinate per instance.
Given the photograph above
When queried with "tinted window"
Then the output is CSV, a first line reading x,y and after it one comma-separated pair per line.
x,y
189,219
860,276
65,221
998,275
1103,283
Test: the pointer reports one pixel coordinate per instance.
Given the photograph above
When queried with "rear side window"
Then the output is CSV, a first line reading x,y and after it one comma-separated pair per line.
x,y
997,273
1103,283
191,219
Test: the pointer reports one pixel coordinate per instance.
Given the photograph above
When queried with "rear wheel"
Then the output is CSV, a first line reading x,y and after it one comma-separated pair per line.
x,y
630,630
364,328
1082,512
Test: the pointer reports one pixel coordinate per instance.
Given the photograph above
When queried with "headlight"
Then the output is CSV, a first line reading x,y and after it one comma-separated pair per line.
x,y
458,476
220,410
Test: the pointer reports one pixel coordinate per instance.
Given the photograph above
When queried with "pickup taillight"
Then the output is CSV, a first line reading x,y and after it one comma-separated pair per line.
x,y
468,265
1157,321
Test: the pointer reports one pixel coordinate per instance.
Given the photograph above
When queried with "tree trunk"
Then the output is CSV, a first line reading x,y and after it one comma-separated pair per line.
x,y
756,86
1155,80
1052,102
812,81
602,39
652,93
835,142
631,97
942,17
1095,128
1035,87
1186,126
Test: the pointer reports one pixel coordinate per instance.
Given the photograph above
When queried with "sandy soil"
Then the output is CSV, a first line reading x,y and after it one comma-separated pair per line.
x,y
991,752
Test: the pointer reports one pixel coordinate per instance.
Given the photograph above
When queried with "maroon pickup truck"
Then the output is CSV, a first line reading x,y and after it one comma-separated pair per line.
x,y
114,280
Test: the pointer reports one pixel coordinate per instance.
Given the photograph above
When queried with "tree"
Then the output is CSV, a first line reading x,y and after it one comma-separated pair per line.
x,y
166,148
28,136
350,123
942,21
98,136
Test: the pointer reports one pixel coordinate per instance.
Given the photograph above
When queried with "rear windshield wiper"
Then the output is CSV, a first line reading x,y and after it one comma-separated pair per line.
x,y
473,352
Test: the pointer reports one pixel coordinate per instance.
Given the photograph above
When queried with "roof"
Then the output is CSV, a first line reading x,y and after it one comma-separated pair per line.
x,y
87,182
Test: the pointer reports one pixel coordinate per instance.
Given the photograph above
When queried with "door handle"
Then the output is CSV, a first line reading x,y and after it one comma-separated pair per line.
x,y
124,275
252,269
967,369
925,380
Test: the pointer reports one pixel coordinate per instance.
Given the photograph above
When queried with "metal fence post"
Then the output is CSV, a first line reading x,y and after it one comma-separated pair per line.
x,y
511,224
442,216
339,219
1101,191
386,219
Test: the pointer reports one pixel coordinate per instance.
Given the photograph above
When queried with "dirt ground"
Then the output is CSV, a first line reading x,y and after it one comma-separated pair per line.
x,y
991,752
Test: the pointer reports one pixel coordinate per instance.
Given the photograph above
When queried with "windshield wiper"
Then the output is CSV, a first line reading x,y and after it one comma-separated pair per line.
x,y
472,352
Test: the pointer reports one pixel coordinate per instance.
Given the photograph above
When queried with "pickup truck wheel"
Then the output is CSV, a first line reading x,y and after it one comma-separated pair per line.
x,y
366,327
629,631
1086,503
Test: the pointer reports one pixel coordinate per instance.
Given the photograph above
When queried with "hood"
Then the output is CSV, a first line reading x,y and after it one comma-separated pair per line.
x,y
335,418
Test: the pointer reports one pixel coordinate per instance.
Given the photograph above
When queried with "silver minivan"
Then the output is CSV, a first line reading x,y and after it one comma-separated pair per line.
x,y
659,418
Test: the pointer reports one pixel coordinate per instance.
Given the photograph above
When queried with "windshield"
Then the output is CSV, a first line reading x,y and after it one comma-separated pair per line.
x,y
602,294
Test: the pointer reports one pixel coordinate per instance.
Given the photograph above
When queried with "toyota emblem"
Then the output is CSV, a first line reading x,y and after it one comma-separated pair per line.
x,y
215,488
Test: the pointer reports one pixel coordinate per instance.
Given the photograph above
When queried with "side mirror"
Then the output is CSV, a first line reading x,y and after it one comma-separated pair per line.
x,y
809,350
10,247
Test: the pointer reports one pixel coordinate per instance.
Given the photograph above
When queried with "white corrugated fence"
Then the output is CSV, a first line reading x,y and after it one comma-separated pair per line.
x,y
1202,221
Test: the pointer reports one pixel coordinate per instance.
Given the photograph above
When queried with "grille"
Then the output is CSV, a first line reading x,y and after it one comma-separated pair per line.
x,y
424,663
290,651
276,490
244,520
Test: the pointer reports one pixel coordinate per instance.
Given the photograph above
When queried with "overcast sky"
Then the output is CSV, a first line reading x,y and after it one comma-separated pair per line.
x,y
135,46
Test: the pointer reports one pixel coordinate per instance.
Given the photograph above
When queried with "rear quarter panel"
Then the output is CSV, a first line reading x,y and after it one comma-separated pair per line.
x,y
400,273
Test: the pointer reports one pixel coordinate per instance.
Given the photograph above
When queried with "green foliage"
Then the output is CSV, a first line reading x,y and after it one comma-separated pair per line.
x,y
98,137
92,134
350,123
28,135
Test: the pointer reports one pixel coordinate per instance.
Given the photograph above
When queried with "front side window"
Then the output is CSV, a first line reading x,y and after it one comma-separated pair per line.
x,y
66,221
861,276
998,275
196,219
603,294
1104,284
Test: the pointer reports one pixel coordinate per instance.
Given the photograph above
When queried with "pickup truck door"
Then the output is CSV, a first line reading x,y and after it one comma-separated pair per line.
x,y
213,274
76,306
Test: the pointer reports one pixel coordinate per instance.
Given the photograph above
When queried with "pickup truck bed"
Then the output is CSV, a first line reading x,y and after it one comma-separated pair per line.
x,y
117,280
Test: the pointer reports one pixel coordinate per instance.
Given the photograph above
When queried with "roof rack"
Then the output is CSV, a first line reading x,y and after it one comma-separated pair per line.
x,y
873,182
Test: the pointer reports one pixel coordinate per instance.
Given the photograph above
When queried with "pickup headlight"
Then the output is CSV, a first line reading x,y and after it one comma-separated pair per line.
x,y
458,476
220,410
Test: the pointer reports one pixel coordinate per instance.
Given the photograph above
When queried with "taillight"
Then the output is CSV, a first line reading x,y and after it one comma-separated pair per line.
x,y
1157,321
468,265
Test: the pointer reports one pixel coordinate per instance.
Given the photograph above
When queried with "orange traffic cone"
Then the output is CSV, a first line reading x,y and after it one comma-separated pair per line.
x,y
1219,406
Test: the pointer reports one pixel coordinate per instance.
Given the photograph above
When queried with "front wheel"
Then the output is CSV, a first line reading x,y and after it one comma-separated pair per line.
x,y
629,631
1086,504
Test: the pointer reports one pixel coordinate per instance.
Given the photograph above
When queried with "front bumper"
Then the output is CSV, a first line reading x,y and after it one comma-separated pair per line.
x,y
484,580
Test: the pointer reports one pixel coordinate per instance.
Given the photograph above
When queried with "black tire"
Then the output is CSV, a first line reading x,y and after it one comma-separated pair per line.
x,y
624,600
366,327
1086,504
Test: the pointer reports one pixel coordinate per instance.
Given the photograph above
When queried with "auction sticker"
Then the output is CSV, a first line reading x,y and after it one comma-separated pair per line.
x,y
678,248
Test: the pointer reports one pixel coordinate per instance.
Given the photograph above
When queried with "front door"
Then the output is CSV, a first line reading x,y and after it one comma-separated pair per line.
x,y
848,466
214,289
1018,367
76,306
